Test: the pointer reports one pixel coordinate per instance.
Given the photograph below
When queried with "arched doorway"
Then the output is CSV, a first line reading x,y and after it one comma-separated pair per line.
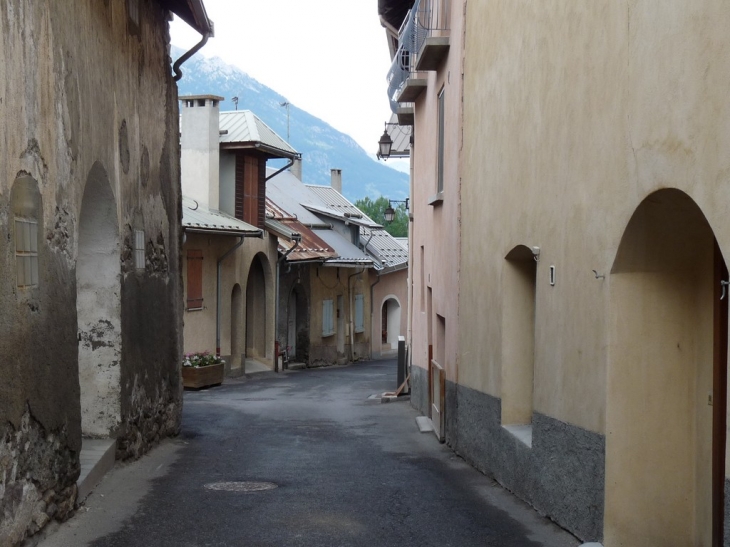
x,y
237,335
390,323
98,307
666,384
297,325
256,310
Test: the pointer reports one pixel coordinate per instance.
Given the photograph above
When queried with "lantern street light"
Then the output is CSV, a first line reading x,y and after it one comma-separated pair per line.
x,y
385,144
389,213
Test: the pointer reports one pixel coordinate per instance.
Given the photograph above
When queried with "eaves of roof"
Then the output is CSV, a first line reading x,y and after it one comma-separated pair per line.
x,y
242,129
197,218
192,12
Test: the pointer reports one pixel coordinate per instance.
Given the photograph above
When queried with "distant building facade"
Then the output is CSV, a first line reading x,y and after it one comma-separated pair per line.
x,y
230,253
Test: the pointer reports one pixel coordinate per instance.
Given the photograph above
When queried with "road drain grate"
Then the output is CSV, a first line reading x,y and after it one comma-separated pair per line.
x,y
241,486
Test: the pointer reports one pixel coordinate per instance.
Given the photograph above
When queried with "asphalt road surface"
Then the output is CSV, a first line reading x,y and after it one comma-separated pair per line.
x,y
340,469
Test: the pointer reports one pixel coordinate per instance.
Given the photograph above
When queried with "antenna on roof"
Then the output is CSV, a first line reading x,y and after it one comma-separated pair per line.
x,y
235,102
286,105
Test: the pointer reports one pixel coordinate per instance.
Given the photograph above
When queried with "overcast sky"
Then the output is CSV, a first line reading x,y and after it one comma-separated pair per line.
x,y
328,57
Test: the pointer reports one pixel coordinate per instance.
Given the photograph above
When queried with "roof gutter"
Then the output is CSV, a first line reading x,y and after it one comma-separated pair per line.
x,y
287,166
193,51
259,234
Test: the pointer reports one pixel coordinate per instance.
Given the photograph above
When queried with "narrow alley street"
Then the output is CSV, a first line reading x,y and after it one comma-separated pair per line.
x,y
342,469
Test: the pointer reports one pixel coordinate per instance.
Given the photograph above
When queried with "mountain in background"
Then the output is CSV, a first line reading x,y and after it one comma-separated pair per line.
x,y
321,145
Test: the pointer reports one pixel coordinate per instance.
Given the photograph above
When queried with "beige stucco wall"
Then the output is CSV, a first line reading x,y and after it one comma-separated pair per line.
x,y
200,325
393,285
434,243
574,113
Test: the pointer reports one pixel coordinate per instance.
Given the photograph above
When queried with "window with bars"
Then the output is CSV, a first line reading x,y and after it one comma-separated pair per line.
x,y
359,313
139,261
195,280
328,317
26,252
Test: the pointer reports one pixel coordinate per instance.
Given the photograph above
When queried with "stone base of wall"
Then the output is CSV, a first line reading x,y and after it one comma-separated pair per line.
x,y
561,475
152,419
419,389
38,483
327,356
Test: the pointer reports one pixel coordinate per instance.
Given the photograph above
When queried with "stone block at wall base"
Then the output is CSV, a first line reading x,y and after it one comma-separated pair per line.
x,y
28,503
419,389
561,475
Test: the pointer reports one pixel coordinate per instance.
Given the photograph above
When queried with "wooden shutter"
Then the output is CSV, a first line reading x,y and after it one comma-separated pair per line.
x,y
328,320
250,189
195,279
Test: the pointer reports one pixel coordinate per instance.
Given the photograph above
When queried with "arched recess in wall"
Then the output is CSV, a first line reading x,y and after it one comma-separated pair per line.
x,y
297,325
238,338
98,307
518,335
390,322
257,289
667,340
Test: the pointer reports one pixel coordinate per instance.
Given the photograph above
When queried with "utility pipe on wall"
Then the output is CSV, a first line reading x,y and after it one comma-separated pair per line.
x,y
296,238
352,329
197,47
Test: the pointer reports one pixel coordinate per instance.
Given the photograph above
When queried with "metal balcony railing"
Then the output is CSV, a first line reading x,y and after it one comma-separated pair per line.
x,y
426,18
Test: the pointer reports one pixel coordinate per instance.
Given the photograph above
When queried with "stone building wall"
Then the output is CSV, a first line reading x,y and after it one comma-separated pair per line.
x,y
86,103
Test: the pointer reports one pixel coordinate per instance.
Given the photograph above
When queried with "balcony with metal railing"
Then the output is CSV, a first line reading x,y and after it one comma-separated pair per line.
x,y
423,42
432,30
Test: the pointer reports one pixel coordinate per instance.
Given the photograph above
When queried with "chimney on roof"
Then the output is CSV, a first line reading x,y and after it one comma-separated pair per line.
x,y
337,179
200,148
296,168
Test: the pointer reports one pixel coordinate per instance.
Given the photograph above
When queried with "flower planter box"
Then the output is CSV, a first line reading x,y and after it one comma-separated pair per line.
x,y
197,377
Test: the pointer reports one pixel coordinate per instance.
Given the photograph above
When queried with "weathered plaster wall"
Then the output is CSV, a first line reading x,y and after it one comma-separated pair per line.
x,y
77,89
291,276
329,283
200,324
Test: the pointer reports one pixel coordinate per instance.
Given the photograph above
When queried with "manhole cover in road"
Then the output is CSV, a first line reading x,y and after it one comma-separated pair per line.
x,y
241,486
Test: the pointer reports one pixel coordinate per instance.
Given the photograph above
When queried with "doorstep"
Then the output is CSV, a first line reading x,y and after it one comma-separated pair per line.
x,y
96,458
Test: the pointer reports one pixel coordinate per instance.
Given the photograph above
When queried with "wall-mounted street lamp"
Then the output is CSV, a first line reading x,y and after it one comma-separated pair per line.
x,y
389,212
385,144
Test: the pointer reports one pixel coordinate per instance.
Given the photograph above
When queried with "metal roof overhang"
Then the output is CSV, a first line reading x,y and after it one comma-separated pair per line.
x,y
192,12
217,232
340,216
272,152
281,230
394,11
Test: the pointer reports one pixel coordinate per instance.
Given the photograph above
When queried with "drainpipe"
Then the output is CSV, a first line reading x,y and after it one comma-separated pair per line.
x,y
296,238
287,166
186,56
218,297
372,318
352,329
